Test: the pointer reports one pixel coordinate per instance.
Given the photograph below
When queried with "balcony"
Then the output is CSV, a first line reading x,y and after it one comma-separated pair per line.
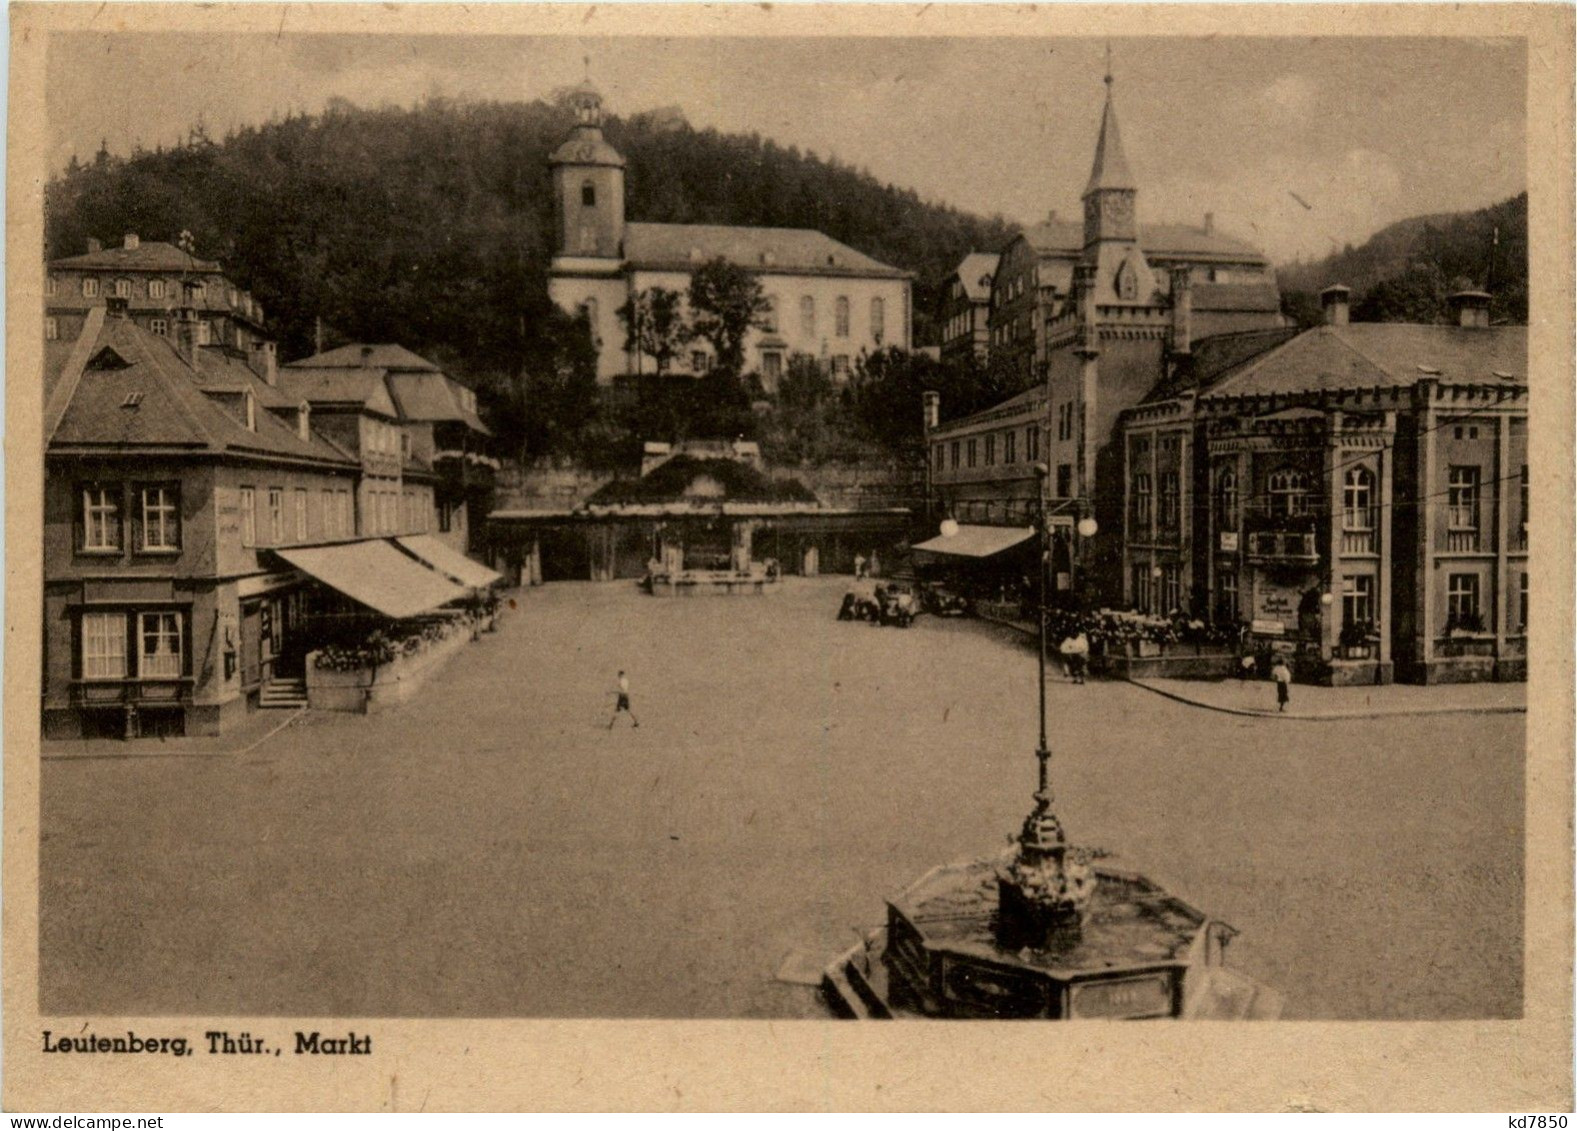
x,y
1284,547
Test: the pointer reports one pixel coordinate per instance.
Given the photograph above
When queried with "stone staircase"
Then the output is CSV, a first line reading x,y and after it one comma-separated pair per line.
x,y
283,694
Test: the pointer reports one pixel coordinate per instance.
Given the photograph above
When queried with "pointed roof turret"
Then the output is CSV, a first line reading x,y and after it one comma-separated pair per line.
x,y
1110,170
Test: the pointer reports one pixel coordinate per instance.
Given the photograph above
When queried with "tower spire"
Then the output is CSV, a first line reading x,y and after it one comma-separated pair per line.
x,y
1110,170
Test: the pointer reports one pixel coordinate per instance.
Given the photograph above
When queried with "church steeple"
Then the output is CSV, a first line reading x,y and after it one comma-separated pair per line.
x,y
588,183
1110,197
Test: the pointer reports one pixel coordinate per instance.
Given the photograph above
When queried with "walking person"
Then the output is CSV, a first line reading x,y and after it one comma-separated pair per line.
x,y
1282,674
1078,656
623,702
859,567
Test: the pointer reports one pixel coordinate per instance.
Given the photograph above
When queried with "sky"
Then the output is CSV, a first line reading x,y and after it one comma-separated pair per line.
x,y
1298,145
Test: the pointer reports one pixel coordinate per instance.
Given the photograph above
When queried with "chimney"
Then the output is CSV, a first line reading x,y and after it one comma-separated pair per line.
x,y
366,357
1210,223
1333,301
186,335
116,306
94,245
131,242
1183,308
931,403
1471,309
260,358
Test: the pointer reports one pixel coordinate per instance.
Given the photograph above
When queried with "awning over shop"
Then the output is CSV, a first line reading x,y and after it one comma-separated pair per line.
x,y
978,541
448,561
377,575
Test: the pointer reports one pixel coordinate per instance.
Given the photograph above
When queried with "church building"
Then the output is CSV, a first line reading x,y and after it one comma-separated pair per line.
x,y
828,301
1096,329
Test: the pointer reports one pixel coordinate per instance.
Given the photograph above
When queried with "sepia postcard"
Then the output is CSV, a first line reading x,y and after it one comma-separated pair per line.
x,y
576,557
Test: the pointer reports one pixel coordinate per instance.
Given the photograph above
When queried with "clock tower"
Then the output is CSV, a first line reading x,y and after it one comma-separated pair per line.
x,y
1110,196
588,185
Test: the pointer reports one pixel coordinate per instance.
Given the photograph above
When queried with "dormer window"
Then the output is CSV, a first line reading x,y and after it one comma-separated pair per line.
x,y
122,288
156,288
90,287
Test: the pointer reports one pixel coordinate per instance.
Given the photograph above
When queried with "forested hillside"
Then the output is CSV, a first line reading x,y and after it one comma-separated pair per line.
x,y
1404,272
432,225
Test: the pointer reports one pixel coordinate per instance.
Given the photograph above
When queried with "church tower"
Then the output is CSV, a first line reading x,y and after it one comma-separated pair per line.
x,y
588,185
1111,225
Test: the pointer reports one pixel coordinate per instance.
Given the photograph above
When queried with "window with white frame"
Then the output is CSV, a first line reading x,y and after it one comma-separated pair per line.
x,y
156,288
840,317
878,320
90,287
953,450
1357,598
1171,587
1522,601
161,517
1358,499
101,517
276,516
205,333
807,315
1462,597
248,517
103,645
970,450
328,517
1462,500
1141,499
1010,446
50,285
991,450
51,329
160,655
301,514
1289,492
1226,595
122,288
1032,443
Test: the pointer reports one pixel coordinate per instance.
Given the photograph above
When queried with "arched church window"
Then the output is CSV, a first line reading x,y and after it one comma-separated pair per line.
x,y
588,194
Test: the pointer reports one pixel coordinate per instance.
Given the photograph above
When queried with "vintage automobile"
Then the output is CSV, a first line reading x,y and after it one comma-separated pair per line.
x,y
896,605
943,602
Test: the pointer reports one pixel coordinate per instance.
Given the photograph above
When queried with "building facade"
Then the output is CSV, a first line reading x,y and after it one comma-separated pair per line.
x,y
156,281
447,447
828,301
1094,316
1355,495
964,309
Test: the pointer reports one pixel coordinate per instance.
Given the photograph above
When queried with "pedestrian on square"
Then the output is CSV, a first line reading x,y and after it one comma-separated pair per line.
x,y
859,567
623,702
1078,656
1282,674
1246,666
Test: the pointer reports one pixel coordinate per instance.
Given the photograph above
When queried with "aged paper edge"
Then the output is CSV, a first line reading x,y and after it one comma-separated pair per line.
x,y
677,1065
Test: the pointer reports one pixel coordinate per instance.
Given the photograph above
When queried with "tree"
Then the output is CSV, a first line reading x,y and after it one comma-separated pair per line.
x,y
726,302
654,324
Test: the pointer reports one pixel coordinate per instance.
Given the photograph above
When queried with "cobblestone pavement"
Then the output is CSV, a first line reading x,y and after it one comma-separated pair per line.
x,y
492,849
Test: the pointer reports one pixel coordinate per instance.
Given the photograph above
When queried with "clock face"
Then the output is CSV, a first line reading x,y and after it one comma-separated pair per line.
x,y
1119,209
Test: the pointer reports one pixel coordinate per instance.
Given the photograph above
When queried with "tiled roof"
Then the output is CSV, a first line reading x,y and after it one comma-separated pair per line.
x,y
975,271
220,371
1066,238
785,250
383,355
364,387
431,396
1262,298
172,409
1216,355
1370,354
670,481
148,255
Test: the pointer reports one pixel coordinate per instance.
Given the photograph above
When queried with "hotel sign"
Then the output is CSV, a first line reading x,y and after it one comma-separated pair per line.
x,y
1229,541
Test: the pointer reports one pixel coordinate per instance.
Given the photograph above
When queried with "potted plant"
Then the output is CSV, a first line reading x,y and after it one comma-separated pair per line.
x,y
1357,640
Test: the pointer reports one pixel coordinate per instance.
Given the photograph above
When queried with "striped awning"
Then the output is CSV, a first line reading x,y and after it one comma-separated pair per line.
x,y
376,574
978,541
448,561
